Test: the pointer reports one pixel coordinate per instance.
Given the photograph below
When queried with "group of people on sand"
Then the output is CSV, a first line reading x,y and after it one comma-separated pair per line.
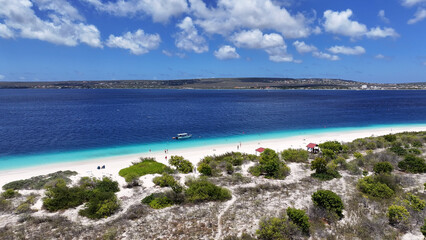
x,y
99,167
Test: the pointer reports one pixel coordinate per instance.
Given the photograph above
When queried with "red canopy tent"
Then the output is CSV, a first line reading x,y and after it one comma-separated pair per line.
x,y
260,150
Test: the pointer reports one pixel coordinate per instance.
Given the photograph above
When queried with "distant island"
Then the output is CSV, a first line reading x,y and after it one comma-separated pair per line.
x,y
217,83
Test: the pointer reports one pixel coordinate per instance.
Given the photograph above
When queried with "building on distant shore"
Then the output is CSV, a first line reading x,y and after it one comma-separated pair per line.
x,y
312,148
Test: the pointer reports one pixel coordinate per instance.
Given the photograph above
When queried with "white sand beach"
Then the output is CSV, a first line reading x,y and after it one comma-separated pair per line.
x,y
114,164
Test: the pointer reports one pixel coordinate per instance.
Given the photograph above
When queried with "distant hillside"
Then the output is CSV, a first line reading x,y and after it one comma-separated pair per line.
x,y
215,83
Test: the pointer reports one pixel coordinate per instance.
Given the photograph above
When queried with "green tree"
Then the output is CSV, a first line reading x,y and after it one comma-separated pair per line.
x,y
397,214
270,162
299,218
383,167
328,200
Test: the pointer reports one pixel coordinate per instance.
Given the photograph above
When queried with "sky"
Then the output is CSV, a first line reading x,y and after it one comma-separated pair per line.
x,y
377,41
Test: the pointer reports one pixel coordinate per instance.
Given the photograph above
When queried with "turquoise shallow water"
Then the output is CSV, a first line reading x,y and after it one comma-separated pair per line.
x,y
21,161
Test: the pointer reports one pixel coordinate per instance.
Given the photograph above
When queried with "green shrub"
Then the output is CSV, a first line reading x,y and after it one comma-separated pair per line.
x,y
202,190
390,138
371,146
60,196
5,205
181,164
10,193
295,155
413,164
331,145
398,150
132,179
397,214
383,167
270,166
374,188
276,229
229,168
23,208
255,170
100,205
165,180
417,144
205,169
414,151
415,202
299,218
423,228
328,200
148,166
328,154
323,170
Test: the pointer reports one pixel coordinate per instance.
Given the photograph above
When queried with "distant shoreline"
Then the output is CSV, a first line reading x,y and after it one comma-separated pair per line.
x,y
87,167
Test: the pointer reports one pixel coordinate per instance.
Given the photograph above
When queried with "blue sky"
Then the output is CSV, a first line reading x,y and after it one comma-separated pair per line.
x,y
371,41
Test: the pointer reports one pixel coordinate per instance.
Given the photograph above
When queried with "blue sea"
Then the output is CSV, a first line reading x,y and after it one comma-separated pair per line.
x,y
47,126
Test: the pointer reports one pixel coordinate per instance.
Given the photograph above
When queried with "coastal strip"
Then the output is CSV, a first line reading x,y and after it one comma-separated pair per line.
x,y
195,154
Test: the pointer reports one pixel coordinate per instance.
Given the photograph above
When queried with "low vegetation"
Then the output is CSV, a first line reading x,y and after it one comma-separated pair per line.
x,y
299,218
144,167
324,170
295,155
328,200
98,195
373,187
39,182
214,166
270,166
413,164
182,165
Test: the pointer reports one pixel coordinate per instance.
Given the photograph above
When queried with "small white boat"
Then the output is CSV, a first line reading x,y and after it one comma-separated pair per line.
x,y
182,136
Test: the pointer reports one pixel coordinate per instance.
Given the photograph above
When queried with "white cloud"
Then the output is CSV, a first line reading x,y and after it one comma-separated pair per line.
x,y
382,16
160,10
2,77
61,7
231,15
424,63
226,52
256,39
302,47
137,43
418,16
167,53
59,28
272,43
5,32
410,3
188,38
357,50
378,32
339,23
325,56
380,56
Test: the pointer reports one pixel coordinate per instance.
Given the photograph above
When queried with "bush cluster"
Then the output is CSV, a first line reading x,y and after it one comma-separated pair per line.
x,y
397,214
413,164
423,228
328,200
215,165
270,165
373,187
99,196
10,193
299,218
324,170
277,228
383,167
295,155
165,180
158,201
181,164
202,190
